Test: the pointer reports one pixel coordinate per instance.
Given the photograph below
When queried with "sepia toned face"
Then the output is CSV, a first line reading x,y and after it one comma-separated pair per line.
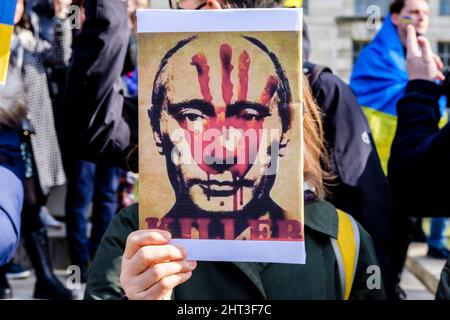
x,y
220,125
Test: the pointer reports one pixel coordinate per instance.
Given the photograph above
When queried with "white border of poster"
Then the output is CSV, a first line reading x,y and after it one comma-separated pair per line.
x,y
166,21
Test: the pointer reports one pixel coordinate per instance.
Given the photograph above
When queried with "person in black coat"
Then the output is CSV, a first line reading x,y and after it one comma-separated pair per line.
x,y
360,187
100,124
420,154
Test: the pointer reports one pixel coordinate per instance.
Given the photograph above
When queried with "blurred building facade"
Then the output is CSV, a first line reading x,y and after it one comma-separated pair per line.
x,y
340,28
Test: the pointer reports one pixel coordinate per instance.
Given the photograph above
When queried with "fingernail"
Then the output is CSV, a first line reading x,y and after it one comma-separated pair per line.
x,y
182,250
192,264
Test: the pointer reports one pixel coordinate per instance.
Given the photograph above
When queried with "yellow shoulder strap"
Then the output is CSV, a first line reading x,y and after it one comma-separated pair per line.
x,y
346,250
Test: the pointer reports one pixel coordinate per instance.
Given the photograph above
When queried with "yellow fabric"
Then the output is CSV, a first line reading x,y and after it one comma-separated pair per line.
x,y
6,32
347,247
383,127
293,3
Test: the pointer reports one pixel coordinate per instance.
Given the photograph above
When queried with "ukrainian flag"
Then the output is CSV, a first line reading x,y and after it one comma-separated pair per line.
x,y
7,11
379,80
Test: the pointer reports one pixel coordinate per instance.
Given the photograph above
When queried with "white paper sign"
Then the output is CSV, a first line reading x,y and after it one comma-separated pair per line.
x,y
220,132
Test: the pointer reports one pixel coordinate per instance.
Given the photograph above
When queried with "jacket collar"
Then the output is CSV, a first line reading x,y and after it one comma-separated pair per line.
x,y
319,216
253,271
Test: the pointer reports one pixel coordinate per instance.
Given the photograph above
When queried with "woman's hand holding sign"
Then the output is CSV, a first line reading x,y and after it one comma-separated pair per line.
x,y
151,267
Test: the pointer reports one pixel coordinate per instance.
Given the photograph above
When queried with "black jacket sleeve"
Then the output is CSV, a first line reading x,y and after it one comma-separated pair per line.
x,y
420,154
443,292
96,126
360,187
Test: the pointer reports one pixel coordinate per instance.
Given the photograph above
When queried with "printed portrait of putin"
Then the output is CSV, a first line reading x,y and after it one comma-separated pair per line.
x,y
222,118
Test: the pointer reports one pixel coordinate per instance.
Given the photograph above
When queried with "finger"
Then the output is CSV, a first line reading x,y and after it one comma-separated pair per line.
x,y
162,287
425,48
441,76
141,238
438,61
412,46
148,256
159,271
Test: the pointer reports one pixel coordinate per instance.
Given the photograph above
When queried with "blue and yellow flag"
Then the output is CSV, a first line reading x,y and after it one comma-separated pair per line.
x,y
7,11
379,80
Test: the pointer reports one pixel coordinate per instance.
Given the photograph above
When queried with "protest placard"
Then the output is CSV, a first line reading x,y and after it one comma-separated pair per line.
x,y
220,132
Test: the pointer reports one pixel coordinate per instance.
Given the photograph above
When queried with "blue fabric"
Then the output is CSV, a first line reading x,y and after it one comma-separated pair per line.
x,y
437,237
11,193
380,76
7,11
10,148
131,80
89,182
11,201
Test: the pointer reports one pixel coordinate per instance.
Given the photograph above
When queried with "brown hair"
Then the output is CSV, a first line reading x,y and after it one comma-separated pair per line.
x,y
316,162
398,5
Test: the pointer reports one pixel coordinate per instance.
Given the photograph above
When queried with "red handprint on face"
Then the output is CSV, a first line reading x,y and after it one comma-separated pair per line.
x,y
226,137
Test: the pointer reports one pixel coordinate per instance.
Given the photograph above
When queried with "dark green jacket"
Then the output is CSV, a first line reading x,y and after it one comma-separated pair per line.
x,y
443,292
317,279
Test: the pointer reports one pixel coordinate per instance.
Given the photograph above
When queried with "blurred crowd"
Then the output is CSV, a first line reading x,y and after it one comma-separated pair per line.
x,y
40,55
68,116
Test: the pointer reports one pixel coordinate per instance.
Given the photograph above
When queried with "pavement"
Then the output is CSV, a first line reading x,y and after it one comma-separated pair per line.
x,y
426,270
419,279
23,288
414,288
